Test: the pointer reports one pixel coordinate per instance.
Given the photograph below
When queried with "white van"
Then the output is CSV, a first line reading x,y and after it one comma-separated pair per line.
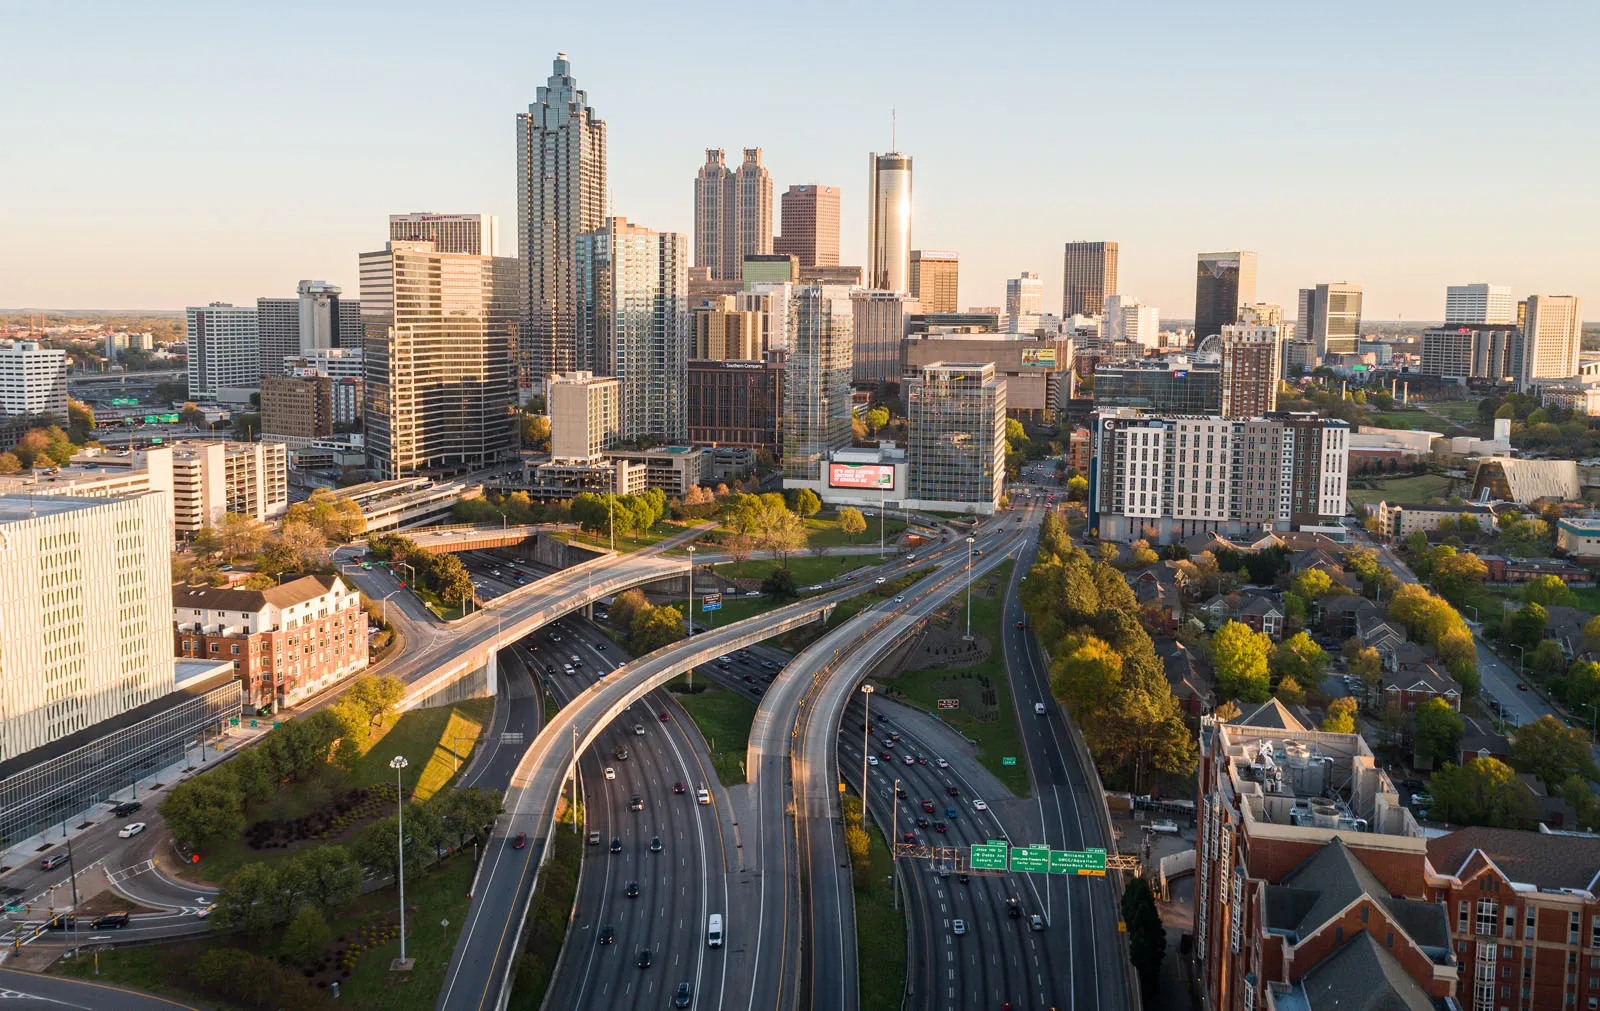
x,y
1038,709
714,931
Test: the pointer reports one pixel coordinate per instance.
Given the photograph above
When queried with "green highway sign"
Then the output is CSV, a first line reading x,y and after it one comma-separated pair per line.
x,y
1078,861
989,856
1008,760
1030,860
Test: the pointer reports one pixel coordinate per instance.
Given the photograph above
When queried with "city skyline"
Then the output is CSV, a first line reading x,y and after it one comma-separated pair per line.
x,y
187,191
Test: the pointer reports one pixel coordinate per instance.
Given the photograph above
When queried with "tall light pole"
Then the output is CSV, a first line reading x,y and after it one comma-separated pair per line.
x,y
688,604
866,741
969,588
882,509
894,840
398,763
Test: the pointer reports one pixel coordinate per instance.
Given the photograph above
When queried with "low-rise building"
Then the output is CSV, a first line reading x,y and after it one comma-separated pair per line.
x,y
1410,689
1402,519
1509,569
1509,479
1579,536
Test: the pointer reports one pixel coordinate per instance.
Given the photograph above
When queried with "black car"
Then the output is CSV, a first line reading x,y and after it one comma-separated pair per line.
x,y
126,808
608,935
621,753
683,996
636,804
616,845
655,845
633,889
1013,910
644,960
600,646
110,921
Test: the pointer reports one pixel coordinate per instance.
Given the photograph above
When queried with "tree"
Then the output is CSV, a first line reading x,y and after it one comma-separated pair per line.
x,y
1436,729
1366,665
1015,436
1086,679
376,696
1290,693
1147,939
1228,711
851,522
779,584
309,546
241,536
9,464
804,502
1341,716
249,899
1525,626
536,432
1483,792
307,938
1312,584
782,534
1077,488
204,808
1456,575
626,606
1299,657
1547,658
876,418
1549,591
1551,751
1239,654
655,628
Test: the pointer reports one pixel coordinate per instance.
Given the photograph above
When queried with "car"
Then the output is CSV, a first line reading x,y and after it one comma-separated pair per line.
x,y
899,600
911,558
888,742
1012,909
566,668
927,806
1035,922
600,646
594,838
814,586
703,795
752,593
632,891
663,716
638,730
53,861
549,668
979,805
205,911
655,844
724,659
885,755
611,773
130,830
1022,624
126,808
577,664
954,791
964,877
949,812
68,922
940,826
880,580
555,638
520,842
958,927
574,658
941,763
1412,784
682,996
110,921
679,788
873,759
923,822
636,803
882,718
621,753
909,759
922,759
768,665
644,960
608,935
1521,687
616,845
910,837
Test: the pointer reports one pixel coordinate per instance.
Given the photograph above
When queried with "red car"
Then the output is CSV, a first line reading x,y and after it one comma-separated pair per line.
x,y
883,755
520,841
953,791
910,837
1022,624
664,716
679,788
1521,687
927,806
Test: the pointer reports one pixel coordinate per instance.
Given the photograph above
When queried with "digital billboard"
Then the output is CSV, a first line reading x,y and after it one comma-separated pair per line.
x,y
1038,358
867,475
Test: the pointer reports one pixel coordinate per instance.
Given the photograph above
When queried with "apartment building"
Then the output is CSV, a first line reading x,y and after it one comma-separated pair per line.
x,y
33,381
585,416
296,410
224,349
1462,351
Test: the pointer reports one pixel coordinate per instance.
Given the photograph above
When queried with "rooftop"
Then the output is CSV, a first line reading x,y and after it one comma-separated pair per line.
x,y
16,508
1548,861
297,591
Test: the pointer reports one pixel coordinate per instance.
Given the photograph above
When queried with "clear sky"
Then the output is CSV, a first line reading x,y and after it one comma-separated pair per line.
x,y
169,153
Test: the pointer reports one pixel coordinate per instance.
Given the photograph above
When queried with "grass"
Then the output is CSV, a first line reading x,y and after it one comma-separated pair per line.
x,y
880,935
807,569
825,531
549,914
440,610
1413,488
986,713
630,541
724,719
1463,412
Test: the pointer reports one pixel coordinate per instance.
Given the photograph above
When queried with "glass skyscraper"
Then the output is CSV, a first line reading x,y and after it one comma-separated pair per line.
x,y
1223,283
956,425
889,222
816,398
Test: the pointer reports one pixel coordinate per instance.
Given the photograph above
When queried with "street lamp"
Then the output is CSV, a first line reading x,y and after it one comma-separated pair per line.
x,y
383,606
969,588
866,740
1522,658
894,840
688,604
398,763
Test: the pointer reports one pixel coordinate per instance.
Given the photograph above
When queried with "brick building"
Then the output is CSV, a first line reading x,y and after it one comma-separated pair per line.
x,y
286,643
736,403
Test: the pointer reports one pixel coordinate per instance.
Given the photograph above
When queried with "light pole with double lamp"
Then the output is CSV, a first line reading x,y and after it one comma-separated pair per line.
x,y
969,589
398,763
866,740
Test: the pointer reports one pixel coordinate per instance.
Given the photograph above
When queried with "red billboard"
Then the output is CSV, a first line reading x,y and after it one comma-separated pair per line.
x,y
868,475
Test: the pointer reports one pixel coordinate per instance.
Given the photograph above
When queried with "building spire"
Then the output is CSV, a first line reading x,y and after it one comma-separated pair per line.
x,y
893,129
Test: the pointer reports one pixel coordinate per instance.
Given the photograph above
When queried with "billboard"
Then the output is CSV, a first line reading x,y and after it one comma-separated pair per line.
x,y
867,475
1038,358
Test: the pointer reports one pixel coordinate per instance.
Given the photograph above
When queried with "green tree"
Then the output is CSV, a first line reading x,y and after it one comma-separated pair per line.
x,y
205,808
1299,657
1077,488
1228,711
1015,436
1147,939
307,938
1456,575
1239,655
779,584
1483,792
1547,658
9,464
1312,584
1525,626
1366,665
1437,728
876,418
1551,751
328,876
1087,678
1341,716
652,629
1549,591
804,502
1289,692
851,522
249,899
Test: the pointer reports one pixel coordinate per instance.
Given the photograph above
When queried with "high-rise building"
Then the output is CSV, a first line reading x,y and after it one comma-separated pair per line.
x,y
585,416
737,403
935,279
1330,318
1024,302
1252,365
1552,337
732,213
33,381
1035,369
277,333
889,222
1126,319
880,322
315,319
1180,384
771,299
83,615
1089,274
296,410
1223,282
816,399
440,328
561,190
766,268
956,446
835,275
633,321
1461,351
224,349
1479,303
810,225
724,332
478,234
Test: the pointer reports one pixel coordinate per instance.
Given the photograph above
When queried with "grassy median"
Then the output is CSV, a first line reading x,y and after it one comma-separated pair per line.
x,y
880,935
724,718
549,916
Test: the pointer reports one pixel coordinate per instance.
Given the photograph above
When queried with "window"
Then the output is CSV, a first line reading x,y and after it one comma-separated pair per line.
x,y
1461,917
1363,914
1572,927
1488,916
235,648
1529,923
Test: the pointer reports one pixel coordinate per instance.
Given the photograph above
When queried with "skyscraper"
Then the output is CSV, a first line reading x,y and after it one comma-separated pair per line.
x,y
317,318
732,213
816,400
1024,302
224,349
1223,283
1089,274
1252,364
1126,319
440,328
889,222
810,225
1552,337
478,234
1479,303
1330,318
956,446
879,320
33,381
634,321
561,188
936,278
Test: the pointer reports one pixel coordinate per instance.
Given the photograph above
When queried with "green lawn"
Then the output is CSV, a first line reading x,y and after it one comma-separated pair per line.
x,y
627,542
986,713
825,531
1464,412
1413,488
807,569
880,935
724,719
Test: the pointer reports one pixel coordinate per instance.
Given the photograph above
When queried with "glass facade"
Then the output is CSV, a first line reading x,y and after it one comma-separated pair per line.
x,y
1193,389
956,433
1223,283
816,398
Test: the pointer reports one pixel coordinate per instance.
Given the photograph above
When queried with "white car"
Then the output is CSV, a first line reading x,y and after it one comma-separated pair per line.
x,y
899,600
881,579
205,910
611,773
872,759
130,830
910,759
978,805
638,730
703,795
958,927
941,763
814,586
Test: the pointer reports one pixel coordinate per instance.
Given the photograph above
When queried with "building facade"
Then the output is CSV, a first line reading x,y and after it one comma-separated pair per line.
x,y
1252,364
732,213
317,319
936,279
737,403
816,399
224,349
585,416
956,444
810,225
1552,337
33,381
1223,283
880,321
725,332
477,234
633,287
1035,370
1024,302
1176,385
1491,304
1330,318
296,410
1461,351
1127,320
1089,274
889,222
561,192
440,329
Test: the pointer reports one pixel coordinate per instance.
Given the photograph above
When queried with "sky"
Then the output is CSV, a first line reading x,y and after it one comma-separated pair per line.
x,y
164,154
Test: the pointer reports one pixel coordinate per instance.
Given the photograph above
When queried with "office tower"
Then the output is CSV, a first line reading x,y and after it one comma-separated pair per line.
x,y
1552,337
440,329
296,410
1127,320
771,299
1179,384
315,319
737,404
87,630
935,278
832,276
478,234
725,332
1035,371
1252,365
889,222
1089,274
277,333
732,213
810,225
879,319
585,416
1024,302
561,190
33,381
1479,303
1461,351
633,321
1330,318
956,446
766,268
1223,283
210,479
816,399
224,349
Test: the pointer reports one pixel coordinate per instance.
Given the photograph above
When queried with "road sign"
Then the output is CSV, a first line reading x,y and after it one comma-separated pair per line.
x,y
13,909
233,721
989,856
1087,862
711,602
949,703
1008,760
1030,859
